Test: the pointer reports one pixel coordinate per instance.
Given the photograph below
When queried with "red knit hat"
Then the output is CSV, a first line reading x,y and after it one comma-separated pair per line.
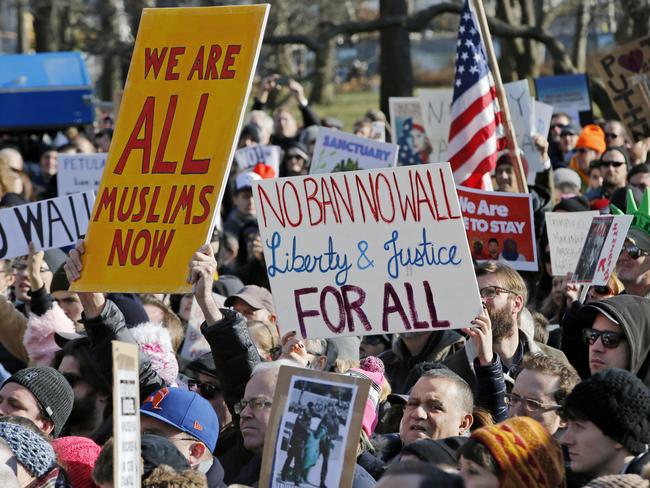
x,y
592,137
78,456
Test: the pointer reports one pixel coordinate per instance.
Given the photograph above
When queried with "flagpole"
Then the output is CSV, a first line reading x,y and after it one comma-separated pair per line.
x,y
501,95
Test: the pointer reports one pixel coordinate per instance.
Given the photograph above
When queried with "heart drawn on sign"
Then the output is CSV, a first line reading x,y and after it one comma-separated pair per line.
x,y
632,61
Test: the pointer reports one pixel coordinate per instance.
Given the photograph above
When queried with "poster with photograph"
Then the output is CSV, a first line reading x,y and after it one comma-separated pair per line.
x,y
500,227
566,93
407,124
314,429
601,249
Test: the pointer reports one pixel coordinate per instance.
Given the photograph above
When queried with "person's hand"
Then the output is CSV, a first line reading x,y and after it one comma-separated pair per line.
x,y
34,264
541,144
267,85
294,349
481,336
202,269
571,290
92,303
255,249
297,91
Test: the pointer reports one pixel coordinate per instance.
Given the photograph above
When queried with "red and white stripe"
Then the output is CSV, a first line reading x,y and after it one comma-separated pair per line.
x,y
476,134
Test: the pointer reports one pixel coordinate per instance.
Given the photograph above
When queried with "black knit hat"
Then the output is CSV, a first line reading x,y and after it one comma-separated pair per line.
x,y
618,403
52,391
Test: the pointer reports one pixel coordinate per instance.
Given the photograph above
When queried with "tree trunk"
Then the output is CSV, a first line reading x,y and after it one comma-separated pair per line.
x,y
46,24
322,90
583,18
509,49
22,46
395,55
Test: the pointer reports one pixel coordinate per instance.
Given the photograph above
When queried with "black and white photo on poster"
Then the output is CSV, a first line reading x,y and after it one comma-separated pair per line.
x,y
312,433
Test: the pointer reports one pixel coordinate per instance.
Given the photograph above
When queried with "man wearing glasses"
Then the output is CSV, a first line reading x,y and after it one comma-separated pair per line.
x,y
633,264
541,386
617,331
504,295
613,167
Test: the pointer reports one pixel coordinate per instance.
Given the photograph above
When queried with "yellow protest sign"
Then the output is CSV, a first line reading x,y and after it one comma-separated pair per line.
x,y
178,125
625,72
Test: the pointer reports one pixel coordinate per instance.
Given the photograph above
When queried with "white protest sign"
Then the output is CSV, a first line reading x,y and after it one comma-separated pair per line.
x,y
378,131
248,157
523,120
543,116
367,252
601,249
566,236
436,111
195,344
126,415
337,151
77,173
56,222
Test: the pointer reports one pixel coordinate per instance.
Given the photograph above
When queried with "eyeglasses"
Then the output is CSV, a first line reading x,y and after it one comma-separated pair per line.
x,y
529,404
616,164
609,338
559,126
583,150
257,403
206,390
20,266
493,291
611,135
72,378
633,250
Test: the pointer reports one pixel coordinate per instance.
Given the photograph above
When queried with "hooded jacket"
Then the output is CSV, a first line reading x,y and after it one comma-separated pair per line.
x,y
633,315
398,361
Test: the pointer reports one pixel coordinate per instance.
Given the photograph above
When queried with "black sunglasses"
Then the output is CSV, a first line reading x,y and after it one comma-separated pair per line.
x,y
206,390
602,290
633,250
616,164
583,150
609,338
611,135
559,126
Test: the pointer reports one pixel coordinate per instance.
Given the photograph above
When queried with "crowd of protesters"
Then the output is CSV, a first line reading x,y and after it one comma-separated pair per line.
x,y
540,390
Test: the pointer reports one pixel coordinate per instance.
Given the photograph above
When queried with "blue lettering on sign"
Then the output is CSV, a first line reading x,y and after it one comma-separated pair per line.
x,y
423,254
297,262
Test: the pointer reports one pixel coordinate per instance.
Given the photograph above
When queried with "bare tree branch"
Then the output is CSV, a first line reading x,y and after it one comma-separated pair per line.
x,y
420,20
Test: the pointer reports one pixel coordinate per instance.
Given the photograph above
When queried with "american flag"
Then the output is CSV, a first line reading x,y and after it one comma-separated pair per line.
x,y
476,133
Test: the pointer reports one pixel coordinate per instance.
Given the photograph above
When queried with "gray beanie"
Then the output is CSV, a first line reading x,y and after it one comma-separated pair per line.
x,y
31,449
52,391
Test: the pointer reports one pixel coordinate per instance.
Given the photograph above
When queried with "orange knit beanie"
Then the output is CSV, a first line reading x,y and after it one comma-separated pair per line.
x,y
592,137
525,452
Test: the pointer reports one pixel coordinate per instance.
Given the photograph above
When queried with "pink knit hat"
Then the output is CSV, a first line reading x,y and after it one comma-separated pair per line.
x,y
156,343
78,456
372,368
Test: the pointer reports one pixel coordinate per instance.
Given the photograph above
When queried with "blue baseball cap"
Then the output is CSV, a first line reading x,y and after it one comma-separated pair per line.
x,y
185,410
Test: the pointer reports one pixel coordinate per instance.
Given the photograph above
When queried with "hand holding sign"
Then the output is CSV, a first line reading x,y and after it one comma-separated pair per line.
x,y
202,269
34,264
482,337
92,303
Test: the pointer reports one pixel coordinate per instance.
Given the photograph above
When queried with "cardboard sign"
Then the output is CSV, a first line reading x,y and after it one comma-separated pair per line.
x,y
601,249
436,110
56,222
126,415
367,252
175,137
77,173
567,232
249,157
625,72
409,133
378,131
566,93
337,151
314,429
500,227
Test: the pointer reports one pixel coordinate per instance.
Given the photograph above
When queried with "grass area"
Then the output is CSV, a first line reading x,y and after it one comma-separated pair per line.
x,y
349,107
